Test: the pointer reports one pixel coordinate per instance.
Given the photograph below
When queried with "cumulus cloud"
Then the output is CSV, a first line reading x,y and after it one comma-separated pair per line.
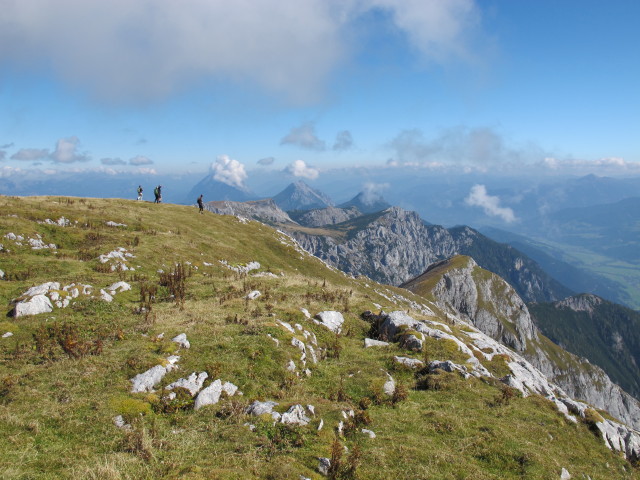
x,y
304,136
30,154
344,141
300,169
478,197
371,192
266,161
140,160
112,161
229,171
153,48
67,151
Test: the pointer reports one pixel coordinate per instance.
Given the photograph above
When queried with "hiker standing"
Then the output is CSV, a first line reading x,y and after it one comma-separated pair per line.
x,y
156,193
139,192
159,193
200,205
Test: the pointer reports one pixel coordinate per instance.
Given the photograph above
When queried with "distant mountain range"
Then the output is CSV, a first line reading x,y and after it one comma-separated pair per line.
x,y
300,196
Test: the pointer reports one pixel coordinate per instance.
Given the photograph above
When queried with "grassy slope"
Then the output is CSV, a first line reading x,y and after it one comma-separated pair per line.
x,y
56,411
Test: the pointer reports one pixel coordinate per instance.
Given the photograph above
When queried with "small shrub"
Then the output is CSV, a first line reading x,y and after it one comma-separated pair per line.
x,y
280,437
438,380
505,396
138,442
182,401
400,394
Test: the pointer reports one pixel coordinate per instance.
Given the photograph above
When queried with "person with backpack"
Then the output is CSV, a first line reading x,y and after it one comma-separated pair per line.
x,y
200,204
158,194
139,192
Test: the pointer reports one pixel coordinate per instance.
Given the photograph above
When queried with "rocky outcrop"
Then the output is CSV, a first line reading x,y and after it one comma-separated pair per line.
x,y
396,245
493,307
262,210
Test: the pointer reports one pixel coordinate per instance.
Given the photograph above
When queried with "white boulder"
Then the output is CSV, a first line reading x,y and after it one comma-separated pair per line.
x,y
295,415
145,382
182,340
34,306
370,342
331,319
408,362
253,295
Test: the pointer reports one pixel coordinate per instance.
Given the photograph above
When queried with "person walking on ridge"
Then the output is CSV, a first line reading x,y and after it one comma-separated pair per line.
x,y
200,205
139,192
158,194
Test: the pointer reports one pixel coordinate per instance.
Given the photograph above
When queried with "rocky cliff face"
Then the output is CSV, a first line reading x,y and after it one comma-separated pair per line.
x,y
326,216
263,210
396,245
490,304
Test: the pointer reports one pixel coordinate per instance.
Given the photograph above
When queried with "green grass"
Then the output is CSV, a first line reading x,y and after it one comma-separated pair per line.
x,y
56,410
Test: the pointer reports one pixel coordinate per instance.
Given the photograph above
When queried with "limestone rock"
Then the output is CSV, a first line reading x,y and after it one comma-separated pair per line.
x,y
182,340
193,383
410,342
295,415
258,408
253,295
324,464
145,382
35,305
119,287
370,342
331,319
389,386
565,475
368,432
409,362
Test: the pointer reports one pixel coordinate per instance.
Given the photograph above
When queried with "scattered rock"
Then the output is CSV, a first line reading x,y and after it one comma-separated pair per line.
x,y
312,410
250,426
182,340
410,342
211,394
258,408
193,383
409,362
295,415
34,306
120,423
286,326
331,319
105,296
7,335
324,465
370,342
565,475
291,366
306,313
368,432
321,424
253,295
1,272
114,224
145,382
389,386
119,287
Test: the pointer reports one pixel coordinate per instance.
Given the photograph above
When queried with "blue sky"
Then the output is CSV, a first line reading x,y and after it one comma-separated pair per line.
x,y
306,86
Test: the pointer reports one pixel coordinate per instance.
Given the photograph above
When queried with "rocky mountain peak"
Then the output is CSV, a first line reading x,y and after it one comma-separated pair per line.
x,y
580,303
300,196
368,201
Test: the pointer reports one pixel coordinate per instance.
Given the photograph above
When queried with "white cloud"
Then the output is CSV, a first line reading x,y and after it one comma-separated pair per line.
x,y
140,160
229,171
304,136
300,169
66,151
372,192
478,197
344,141
123,49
